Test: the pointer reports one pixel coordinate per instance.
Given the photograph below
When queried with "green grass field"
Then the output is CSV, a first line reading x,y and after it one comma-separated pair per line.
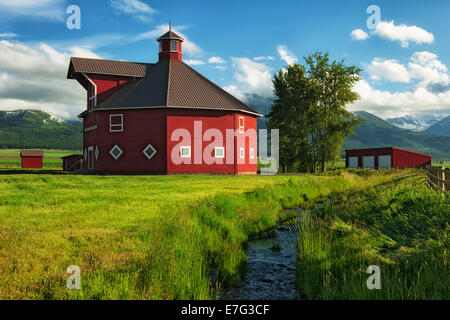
x,y
141,237
401,226
10,158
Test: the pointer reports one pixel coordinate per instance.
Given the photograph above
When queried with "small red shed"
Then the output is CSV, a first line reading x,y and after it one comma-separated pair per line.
x,y
72,162
385,158
31,159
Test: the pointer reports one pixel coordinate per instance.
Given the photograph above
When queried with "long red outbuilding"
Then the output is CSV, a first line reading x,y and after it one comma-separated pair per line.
x,y
385,158
162,118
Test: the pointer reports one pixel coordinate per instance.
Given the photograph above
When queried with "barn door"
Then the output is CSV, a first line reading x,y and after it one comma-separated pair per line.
x,y
91,157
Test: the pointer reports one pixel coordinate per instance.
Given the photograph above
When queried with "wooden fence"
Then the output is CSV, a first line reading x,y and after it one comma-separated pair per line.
x,y
438,179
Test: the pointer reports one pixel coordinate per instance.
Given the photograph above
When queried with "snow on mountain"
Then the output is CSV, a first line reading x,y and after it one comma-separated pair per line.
x,y
411,123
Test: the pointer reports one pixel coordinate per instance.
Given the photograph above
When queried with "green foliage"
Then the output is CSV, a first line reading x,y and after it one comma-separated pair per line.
x,y
401,226
28,129
309,110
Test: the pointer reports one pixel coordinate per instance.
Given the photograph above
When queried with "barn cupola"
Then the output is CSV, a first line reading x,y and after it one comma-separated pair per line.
x,y
170,45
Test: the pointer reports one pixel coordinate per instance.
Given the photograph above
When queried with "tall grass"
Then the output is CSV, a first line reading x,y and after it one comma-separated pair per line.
x,y
401,226
140,237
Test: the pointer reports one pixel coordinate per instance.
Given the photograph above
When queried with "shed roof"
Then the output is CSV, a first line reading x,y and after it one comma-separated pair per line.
x,y
108,67
31,153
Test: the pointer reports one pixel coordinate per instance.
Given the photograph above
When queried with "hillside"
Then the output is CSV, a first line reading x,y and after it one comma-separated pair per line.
x,y
441,128
37,129
375,132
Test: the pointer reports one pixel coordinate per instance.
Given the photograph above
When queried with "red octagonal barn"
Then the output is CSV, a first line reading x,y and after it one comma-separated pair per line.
x,y
162,118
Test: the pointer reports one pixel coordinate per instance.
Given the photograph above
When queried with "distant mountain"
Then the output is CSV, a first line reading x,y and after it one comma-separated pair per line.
x,y
411,123
376,133
442,127
36,129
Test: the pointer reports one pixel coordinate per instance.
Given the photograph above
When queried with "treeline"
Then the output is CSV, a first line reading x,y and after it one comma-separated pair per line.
x,y
67,137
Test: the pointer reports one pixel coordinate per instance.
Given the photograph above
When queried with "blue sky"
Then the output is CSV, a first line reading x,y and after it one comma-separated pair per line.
x,y
237,44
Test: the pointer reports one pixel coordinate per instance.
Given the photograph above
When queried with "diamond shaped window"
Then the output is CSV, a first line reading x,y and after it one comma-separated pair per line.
x,y
149,151
96,153
115,152
85,154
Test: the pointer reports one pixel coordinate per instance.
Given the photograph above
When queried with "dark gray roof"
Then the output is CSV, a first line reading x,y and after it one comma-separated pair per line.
x,y
173,84
170,35
110,67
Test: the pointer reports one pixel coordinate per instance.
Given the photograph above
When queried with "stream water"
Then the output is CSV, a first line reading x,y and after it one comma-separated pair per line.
x,y
271,268
271,264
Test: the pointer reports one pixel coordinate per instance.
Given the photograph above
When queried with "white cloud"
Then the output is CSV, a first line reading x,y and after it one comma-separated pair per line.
x,y
390,70
217,60
8,35
253,78
403,33
34,77
262,58
391,104
285,55
43,9
359,34
423,66
189,47
136,8
194,62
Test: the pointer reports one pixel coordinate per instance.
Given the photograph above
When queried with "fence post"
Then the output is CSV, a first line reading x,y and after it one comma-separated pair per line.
x,y
443,178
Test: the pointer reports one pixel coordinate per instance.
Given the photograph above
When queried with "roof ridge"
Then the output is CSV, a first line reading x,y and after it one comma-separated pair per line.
x,y
168,83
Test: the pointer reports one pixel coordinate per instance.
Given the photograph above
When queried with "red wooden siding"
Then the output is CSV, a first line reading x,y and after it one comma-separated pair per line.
x,y
400,159
32,162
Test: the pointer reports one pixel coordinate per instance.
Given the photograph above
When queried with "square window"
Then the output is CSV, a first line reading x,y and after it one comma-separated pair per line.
x,y
174,44
252,153
241,125
116,123
185,152
149,151
116,152
219,152
242,153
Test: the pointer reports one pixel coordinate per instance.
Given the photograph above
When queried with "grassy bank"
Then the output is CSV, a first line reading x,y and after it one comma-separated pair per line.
x,y
140,237
400,226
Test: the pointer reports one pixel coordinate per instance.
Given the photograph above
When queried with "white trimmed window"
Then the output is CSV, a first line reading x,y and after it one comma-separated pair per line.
x,y
149,151
116,123
185,152
242,153
219,152
115,152
174,45
241,125
252,153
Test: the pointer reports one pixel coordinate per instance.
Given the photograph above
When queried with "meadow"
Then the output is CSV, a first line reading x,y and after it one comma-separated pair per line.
x,y
400,226
10,158
142,237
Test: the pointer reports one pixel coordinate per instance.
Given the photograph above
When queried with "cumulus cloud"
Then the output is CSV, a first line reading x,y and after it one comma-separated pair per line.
x,y
403,33
34,77
138,9
430,94
359,34
390,70
253,78
217,60
189,47
194,62
423,65
42,9
285,55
